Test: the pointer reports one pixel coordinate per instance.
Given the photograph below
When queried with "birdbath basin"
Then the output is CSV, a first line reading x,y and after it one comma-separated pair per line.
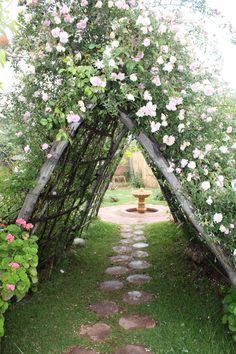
x,y
141,194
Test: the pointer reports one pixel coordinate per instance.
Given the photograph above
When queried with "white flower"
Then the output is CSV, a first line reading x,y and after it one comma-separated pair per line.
x,y
112,63
224,149
160,60
222,228
168,67
98,4
183,163
169,140
234,253
146,42
209,200
147,96
115,44
205,185
155,126
217,218
220,181
192,165
181,128
233,184
130,97
133,77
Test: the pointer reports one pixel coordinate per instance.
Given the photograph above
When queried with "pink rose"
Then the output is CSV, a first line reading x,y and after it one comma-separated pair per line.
x,y
72,117
44,146
21,222
10,287
29,226
14,265
10,238
55,32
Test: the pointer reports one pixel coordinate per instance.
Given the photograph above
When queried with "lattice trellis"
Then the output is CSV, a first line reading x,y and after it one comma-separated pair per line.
x,y
75,187
71,186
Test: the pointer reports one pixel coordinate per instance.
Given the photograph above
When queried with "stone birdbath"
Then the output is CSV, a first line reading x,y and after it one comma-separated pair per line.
x,y
141,194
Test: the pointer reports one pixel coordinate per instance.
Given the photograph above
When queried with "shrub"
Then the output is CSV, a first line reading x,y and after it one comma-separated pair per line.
x,y
136,180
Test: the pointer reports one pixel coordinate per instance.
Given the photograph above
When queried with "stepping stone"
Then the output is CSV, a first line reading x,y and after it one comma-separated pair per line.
x,y
139,265
139,254
139,279
127,241
104,308
140,245
117,270
139,227
121,258
139,232
97,332
127,235
139,238
136,297
133,349
122,249
112,285
137,322
80,350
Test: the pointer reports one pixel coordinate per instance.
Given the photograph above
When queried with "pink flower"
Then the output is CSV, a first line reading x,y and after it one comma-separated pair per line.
x,y
29,226
68,19
97,81
64,37
208,90
138,57
49,156
10,238
46,23
234,253
44,146
164,48
27,149
60,48
14,265
45,97
72,117
21,222
18,134
28,17
56,32
82,24
10,287
64,10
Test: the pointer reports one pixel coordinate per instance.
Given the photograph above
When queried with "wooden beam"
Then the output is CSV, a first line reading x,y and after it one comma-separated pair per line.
x,y
45,173
152,148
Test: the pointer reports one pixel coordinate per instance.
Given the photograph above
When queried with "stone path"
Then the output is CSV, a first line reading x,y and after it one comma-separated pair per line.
x,y
129,259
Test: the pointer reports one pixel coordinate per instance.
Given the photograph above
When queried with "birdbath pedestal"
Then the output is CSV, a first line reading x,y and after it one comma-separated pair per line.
x,y
141,194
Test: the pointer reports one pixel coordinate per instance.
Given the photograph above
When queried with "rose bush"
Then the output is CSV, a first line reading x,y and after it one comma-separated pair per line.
x,y
18,264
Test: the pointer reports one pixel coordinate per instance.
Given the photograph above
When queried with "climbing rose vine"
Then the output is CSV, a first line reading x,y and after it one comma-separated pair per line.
x,y
127,55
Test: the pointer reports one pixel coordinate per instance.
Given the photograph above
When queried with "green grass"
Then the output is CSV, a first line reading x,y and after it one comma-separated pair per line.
x,y
125,197
186,306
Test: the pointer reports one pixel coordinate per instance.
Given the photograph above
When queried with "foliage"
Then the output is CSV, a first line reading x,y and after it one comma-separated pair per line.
x,y
229,317
18,265
159,195
125,55
136,180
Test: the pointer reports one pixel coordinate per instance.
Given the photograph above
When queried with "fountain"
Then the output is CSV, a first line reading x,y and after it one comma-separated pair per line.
x,y
141,194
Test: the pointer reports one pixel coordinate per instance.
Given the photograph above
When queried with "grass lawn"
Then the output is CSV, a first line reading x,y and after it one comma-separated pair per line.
x,y
125,197
186,306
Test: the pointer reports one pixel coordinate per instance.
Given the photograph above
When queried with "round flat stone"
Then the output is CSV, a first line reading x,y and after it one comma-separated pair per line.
x,y
139,254
139,264
139,279
104,308
97,332
112,285
122,249
137,322
127,241
81,350
127,235
138,238
140,245
121,258
116,270
133,349
136,297
139,232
